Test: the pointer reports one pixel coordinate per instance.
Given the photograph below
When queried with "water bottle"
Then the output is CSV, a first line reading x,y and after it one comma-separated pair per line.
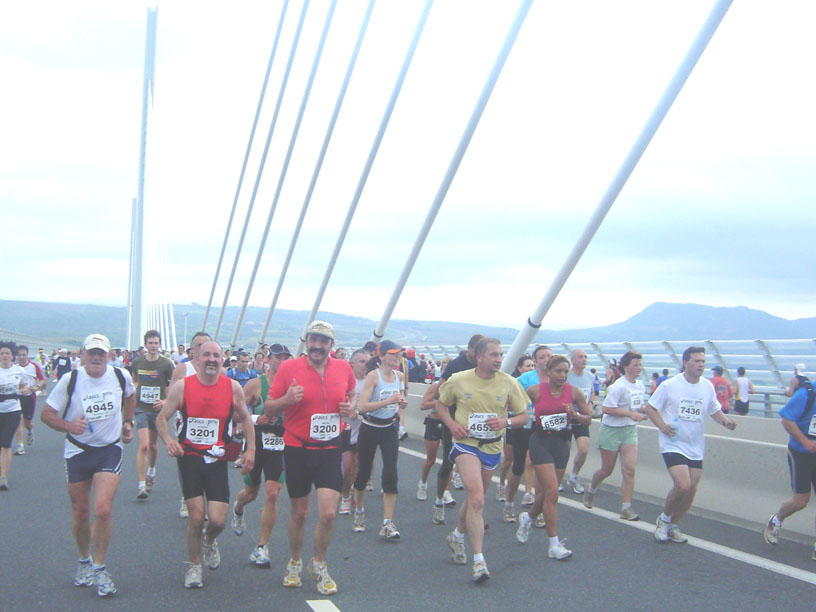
x,y
675,425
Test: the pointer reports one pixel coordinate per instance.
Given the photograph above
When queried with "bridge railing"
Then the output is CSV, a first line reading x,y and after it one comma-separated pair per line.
x,y
32,342
769,364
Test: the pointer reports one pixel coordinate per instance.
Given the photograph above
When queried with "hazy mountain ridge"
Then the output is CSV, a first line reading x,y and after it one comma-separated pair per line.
x,y
69,323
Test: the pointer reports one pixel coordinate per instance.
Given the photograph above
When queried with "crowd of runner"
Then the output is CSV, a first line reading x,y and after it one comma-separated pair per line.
x,y
314,423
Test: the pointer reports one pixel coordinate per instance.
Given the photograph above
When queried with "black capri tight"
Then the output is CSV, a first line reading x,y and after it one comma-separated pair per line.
x,y
521,442
367,441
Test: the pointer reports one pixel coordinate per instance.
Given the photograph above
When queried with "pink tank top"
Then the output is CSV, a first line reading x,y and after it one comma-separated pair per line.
x,y
547,404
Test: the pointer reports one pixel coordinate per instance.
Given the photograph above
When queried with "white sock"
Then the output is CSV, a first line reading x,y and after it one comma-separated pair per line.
x,y
85,560
664,518
151,471
458,535
98,568
478,557
776,520
439,501
573,477
626,506
508,504
554,541
359,510
386,521
590,489
525,516
142,484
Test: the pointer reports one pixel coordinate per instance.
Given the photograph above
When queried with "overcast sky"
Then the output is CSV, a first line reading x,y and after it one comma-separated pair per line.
x,y
719,211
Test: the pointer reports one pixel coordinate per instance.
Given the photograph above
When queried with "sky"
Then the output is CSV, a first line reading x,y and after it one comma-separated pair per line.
x,y
719,210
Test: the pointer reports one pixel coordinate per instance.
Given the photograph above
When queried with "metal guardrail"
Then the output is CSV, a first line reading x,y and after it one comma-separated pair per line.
x,y
32,342
768,364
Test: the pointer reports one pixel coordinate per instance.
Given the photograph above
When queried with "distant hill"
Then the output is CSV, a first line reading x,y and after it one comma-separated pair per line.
x,y
70,323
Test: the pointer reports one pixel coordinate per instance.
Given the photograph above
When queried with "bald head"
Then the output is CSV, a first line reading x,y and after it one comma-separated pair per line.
x,y
578,357
209,358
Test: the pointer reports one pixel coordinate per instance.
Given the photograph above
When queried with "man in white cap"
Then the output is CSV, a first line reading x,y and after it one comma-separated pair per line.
x,y
315,391
799,379
88,405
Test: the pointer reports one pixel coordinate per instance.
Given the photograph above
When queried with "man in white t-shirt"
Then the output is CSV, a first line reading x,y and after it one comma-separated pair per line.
x,y
677,409
88,404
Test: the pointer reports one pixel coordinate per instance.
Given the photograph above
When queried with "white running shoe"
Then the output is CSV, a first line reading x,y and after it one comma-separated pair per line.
x,y
480,573
20,450
438,517
389,531
345,506
104,582
212,558
539,521
456,481
524,528
141,492
359,524
320,573
260,556
501,493
771,531
457,549
589,499
238,523
30,437
447,499
193,576
422,491
509,515
183,512
675,535
661,533
84,574
150,482
527,500
577,487
629,515
559,552
292,577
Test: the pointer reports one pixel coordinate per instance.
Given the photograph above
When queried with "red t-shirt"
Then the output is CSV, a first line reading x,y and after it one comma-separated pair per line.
x,y
321,394
206,412
723,389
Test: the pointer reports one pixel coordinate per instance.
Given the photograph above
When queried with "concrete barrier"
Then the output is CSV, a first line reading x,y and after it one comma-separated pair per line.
x,y
745,472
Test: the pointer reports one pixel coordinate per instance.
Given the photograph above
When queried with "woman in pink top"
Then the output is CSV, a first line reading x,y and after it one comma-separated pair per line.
x,y
554,403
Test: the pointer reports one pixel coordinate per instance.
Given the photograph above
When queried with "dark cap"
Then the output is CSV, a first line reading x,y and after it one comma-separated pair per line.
x,y
717,369
387,346
279,349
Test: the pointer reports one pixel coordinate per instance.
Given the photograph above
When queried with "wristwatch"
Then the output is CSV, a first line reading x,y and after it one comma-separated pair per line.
x,y
509,424
128,421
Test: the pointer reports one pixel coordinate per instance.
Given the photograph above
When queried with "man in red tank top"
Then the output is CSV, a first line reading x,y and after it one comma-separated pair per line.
x,y
207,402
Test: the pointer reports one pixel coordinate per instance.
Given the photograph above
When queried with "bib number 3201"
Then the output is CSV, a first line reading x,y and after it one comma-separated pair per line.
x,y
324,427
202,431
478,427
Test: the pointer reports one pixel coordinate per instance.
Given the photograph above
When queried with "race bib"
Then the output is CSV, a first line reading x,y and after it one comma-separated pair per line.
x,y
98,406
386,393
812,428
9,389
554,422
202,431
271,441
324,427
635,402
691,409
477,426
587,392
149,395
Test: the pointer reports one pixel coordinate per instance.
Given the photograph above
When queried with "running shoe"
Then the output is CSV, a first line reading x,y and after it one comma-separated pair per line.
x,y
438,515
320,573
629,515
19,450
260,556
3,483
527,500
480,573
576,485
292,577
192,577
403,435
524,528
141,492
771,531
675,535
212,558
84,574
457,550
448,500
509,515
369,486
359,524
150,482
456,481
560,487
539,521
389,531
422,491
104,582
559,552
238,523
345,506
183,513
661,533
501,493
589,499
30,437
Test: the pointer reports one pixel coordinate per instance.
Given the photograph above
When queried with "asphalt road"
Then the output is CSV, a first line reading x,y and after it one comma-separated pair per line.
x,y
616,565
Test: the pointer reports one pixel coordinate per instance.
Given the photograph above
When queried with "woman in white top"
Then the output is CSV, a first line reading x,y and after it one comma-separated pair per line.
x,y
12,388
622,410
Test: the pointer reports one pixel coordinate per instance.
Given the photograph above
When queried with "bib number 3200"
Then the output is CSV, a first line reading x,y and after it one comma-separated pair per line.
x,y
478,427
324,427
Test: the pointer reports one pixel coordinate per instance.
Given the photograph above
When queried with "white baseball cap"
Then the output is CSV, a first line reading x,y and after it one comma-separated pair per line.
x,y
96,341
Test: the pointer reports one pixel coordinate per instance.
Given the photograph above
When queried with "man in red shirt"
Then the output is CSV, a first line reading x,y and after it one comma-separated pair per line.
x,y
314,391
722,387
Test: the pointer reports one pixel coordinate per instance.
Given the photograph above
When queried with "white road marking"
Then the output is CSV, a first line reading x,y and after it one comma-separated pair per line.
x,y
322,605
719,549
